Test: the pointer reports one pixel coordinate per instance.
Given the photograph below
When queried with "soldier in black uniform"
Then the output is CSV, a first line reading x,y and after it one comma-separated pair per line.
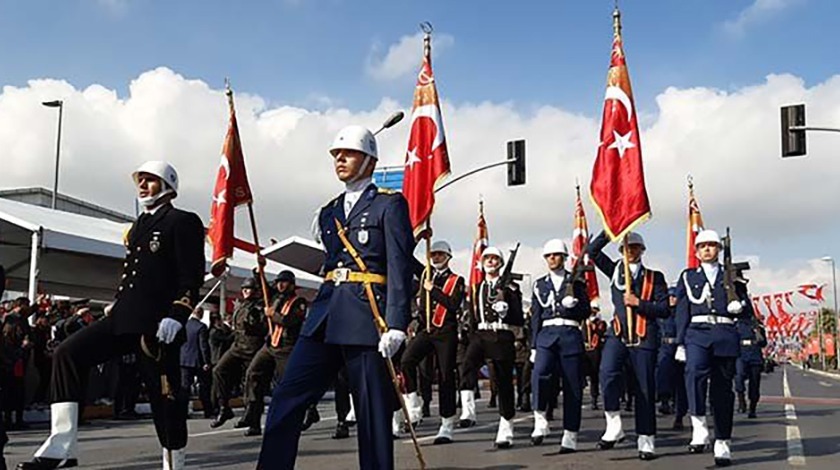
x,y
496,309
287,313
163,270
594,329
250,328
439,336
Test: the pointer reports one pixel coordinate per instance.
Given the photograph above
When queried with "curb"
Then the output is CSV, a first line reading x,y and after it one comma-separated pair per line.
x,y
821,373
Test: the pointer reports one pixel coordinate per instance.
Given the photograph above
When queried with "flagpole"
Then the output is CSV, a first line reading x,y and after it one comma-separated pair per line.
x,y
260,259
628,288
426,27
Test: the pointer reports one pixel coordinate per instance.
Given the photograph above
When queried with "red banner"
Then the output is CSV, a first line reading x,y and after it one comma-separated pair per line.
x,y
230,191
426,159
618,180
695,225
580,238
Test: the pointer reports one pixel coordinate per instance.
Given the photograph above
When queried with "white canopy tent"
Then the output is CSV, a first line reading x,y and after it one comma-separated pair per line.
x,y
81,256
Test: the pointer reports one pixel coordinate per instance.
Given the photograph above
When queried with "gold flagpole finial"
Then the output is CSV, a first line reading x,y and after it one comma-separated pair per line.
x,y
690,180
427,29
229,93
577,185
616,20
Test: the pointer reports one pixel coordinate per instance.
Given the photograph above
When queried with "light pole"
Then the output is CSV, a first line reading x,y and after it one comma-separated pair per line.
x,y
829,259
60,105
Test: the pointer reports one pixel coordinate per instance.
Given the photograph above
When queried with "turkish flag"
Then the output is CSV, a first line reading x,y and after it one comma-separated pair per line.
x,y
695,225
426,159
618,180
231,190
580,238
482,239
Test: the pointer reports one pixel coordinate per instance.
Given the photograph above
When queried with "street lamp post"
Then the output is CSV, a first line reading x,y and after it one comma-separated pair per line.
x,y
829,259
60,105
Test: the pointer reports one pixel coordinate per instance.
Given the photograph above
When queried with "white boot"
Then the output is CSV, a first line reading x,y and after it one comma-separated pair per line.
x,y
174,459
444,435
396,423
541,429
504,437
647,450
64,431
699,434
614,432
722,454
415,407
467,409
351,415
569,442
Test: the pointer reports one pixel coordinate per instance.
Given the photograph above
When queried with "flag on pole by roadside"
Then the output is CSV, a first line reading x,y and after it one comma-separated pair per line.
x,y
695,226
482,239
580,239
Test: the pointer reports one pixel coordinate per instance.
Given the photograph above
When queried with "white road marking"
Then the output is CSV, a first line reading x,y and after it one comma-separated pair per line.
x,y
796,453
825,384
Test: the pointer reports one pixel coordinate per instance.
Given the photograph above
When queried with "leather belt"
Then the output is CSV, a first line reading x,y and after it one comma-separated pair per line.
x,y
669,340
346,275
561,322
712,319
488,326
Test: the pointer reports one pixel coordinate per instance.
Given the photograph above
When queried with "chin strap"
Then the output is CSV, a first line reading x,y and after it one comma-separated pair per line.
x,y
149,202
362,170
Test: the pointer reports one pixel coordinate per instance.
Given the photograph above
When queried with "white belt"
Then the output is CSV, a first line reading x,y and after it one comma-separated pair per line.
x,y
561,322
493,326
712,319
746,342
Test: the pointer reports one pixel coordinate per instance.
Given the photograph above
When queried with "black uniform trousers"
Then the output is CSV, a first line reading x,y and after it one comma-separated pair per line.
x,y
97,343
444,344
591,365
188,375
128,384
342,395
312,368
265,365
498,347
616,358
228,372
749,372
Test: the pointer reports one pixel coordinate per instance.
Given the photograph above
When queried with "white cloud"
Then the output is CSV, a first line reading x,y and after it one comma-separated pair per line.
x,y
403,57
729,141
756,12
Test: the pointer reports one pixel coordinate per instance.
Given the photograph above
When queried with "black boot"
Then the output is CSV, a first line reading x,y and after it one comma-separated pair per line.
x,y
312,417
43,463
492,402
342,431
549,414
595,406
752,414
665,407
742,403
526,403
426,411
225,413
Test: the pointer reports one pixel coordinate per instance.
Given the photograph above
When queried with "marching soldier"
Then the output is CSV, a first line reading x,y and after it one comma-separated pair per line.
x,y
367,290
558,305
446,292
287,313
495,310
709,344
750,360
594,330
647,299
523,366
670,373
249,331
163,271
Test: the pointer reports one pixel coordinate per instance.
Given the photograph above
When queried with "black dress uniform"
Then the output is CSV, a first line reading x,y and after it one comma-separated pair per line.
x,y
250,328
750,361
163,271
440,337
288,314
594,330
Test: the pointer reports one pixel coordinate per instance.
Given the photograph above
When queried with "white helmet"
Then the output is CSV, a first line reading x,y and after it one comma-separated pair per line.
x,y
555,245
633,238
441,246
492,251
355,138
162,170
707,236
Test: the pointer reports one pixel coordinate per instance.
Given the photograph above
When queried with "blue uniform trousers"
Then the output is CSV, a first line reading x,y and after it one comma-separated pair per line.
x,y
642,363
748,371
670,379
704,370
312,368
552,360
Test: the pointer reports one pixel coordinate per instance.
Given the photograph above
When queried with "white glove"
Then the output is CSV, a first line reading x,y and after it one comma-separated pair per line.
x,y
734,307
167,330
390,342
569,302
679,356
533,356
108,309
500,307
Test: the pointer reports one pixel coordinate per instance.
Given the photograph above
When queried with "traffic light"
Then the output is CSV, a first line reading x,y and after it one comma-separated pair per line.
x,y
516,162
793,141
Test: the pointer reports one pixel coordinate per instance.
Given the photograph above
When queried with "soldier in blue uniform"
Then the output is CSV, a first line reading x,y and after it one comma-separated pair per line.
x,y
648,298
670,373
750,360
708,342
558,306
368,276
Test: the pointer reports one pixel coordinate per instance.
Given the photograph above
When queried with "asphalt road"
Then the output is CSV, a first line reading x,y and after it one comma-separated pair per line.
x,y
802,430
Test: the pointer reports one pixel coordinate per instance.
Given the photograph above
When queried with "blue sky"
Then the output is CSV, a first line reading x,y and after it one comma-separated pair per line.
x,y
528,52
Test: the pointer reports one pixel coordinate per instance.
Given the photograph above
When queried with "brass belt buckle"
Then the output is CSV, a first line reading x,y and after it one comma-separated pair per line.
x,y
341,275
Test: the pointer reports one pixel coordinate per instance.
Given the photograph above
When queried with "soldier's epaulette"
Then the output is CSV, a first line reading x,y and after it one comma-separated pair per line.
x,y
333,202
386,191
126,232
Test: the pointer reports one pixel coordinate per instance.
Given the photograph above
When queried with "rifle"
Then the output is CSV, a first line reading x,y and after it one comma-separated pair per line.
x,y
507,275
578,270
729,269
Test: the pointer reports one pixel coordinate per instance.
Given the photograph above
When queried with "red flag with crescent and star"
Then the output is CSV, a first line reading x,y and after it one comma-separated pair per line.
x,y
426,159
231,190
618,180
482,239
695,226
580,239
